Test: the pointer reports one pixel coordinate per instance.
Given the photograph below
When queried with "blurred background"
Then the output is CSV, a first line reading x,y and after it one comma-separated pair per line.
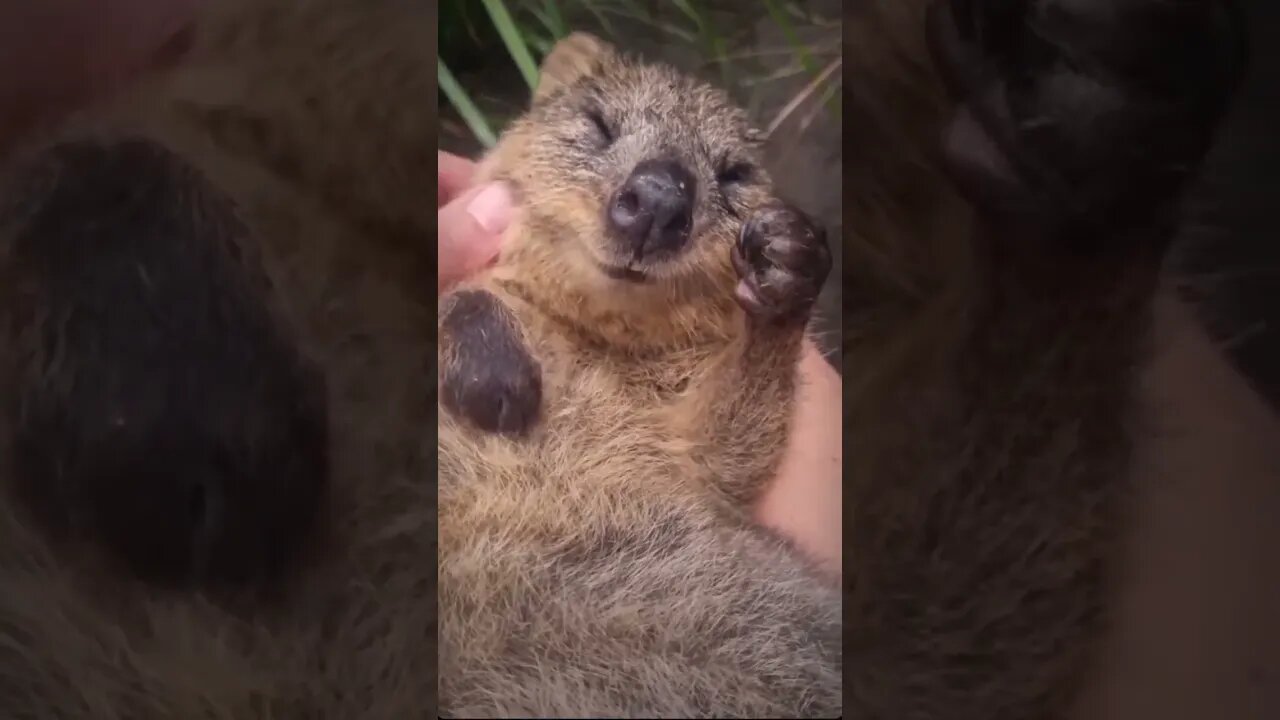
x,y
780,59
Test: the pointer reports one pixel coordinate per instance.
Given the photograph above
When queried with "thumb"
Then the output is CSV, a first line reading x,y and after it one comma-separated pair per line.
x,y
470,231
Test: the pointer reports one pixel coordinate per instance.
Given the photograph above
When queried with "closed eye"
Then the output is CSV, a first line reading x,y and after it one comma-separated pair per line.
x,y
734,174
602,127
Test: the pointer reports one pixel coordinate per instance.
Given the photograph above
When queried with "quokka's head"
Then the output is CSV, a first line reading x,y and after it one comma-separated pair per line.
x,y
632,177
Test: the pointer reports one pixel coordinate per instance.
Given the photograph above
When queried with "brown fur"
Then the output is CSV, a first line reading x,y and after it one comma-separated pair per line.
x,y
606,564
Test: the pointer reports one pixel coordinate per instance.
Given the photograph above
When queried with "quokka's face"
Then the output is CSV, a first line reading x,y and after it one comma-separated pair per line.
x,y
633,174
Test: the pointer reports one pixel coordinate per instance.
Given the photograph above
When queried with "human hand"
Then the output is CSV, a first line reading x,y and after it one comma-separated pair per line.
x,y
804,501
471,220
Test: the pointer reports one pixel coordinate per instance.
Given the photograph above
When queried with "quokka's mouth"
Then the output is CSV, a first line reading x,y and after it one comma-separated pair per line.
x,y
624,273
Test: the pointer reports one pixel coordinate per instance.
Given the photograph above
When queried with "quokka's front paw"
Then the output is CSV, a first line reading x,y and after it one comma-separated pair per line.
x,y
488,375
782,260
1081,118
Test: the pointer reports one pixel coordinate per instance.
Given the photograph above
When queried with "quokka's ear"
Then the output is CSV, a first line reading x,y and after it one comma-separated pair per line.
x,y
575,56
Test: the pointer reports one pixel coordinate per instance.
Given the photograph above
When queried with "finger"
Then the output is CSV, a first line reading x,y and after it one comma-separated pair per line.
x,y
803,502
470,232
454,175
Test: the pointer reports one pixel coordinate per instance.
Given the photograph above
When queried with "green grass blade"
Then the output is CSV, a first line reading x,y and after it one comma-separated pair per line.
x,y
557,25
802,51
637,9
800,13
515,43
720,52
461,102
548,24
714,45
688,10
789,32
541,45
468,22
830,100
535,38
667,28
595,10
782,73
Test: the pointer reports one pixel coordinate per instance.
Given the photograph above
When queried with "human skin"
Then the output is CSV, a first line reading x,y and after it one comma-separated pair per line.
x,y
470,220
804,501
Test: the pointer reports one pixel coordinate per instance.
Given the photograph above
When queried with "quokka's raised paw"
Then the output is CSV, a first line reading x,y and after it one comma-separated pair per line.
x,y
782,259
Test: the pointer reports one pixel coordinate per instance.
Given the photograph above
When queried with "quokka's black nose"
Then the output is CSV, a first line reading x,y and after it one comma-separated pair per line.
x,y
653,210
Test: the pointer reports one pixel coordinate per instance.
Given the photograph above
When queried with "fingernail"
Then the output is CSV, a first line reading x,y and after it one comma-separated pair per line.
x,y
492,208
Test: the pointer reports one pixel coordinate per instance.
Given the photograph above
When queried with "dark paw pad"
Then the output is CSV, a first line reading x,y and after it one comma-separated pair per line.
x,y
1083,116
782,259
489,377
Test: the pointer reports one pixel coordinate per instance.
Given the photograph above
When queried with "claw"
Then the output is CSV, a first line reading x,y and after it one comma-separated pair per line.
x,y
782,260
